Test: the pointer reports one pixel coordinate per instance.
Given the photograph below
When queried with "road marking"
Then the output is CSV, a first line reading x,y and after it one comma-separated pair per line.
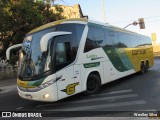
x,y
94,99
110,93
115,92
105,98
19,108
96,107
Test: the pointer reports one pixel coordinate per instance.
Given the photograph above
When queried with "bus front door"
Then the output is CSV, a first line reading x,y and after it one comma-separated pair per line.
x,y
64,74
65,84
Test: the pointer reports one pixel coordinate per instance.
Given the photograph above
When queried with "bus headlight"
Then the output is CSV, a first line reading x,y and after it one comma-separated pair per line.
x,y
46,84
45,96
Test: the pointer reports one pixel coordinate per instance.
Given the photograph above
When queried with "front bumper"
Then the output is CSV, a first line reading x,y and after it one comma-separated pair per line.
x,y
48,94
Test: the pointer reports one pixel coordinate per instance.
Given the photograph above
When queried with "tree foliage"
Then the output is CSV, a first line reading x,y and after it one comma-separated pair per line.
x,y
18,17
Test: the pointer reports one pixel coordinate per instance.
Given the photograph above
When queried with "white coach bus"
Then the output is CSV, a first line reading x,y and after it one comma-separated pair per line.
x,y
66,57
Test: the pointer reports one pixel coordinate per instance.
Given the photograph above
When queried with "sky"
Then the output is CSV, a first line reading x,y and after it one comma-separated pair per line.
x,y
120,13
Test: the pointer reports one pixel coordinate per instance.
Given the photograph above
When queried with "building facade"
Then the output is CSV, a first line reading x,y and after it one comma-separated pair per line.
x,y
74,11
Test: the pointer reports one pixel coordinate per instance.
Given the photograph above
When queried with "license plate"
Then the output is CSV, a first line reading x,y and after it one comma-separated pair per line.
x,y
28,96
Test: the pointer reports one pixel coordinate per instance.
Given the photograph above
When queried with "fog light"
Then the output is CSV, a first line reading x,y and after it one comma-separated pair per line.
x,y
19,93
45,96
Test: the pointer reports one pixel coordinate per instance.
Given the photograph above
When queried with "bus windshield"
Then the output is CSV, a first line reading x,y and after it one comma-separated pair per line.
x,y
32,61
35,63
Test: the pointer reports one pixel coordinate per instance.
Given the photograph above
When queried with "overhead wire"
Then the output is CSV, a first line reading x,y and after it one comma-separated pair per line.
x,y
65,3
153,21
151,17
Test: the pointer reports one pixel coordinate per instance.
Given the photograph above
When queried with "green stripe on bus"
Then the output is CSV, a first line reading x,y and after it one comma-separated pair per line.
x,y
36,82
89,65
115,59
124,58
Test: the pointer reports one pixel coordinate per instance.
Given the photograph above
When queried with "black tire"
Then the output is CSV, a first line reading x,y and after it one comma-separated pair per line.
x,y
93,84
142,68
146,66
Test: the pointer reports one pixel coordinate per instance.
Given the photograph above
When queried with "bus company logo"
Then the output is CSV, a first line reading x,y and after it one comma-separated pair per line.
x,y
70,89
6,114
91,56
138,52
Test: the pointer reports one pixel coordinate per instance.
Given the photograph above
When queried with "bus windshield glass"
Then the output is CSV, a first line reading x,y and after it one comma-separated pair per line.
x,y
32,61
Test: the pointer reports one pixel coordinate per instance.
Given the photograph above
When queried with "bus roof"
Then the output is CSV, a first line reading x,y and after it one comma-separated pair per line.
x,y
114,27
56,23
81,20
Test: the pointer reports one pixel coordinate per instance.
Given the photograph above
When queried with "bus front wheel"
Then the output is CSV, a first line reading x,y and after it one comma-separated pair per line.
x,y
93,84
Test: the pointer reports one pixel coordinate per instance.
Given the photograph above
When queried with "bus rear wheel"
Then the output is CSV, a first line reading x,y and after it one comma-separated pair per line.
x,y
93,84
142,68
146,66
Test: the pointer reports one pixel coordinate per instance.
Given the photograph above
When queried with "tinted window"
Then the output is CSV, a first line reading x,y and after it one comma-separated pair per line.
x,y
138,41
133,41
77,31
62,56
107,36
124,39
149,41
112,38
143,40
95,38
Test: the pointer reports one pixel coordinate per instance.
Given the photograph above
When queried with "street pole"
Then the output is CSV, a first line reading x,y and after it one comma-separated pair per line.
x,y
134,23
103,11
128,25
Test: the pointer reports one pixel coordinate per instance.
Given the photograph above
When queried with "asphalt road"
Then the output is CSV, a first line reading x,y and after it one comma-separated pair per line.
x,y
119,98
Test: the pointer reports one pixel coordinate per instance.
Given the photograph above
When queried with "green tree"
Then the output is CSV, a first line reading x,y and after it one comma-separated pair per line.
x,y
18,17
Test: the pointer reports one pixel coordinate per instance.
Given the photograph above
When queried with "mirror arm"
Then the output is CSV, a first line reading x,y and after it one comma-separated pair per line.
x,y
10,48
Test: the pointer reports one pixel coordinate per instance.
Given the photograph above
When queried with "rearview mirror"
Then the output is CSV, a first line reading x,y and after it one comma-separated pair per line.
x,y
10,48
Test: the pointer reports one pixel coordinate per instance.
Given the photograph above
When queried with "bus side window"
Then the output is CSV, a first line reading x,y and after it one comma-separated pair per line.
x,y
113,35
112,38
95,38
75,37
132,41
124,38
62,55
122,43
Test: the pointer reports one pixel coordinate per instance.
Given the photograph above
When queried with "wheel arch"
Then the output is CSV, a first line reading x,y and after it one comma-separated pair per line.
x,y
147,61
142,62
95,71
